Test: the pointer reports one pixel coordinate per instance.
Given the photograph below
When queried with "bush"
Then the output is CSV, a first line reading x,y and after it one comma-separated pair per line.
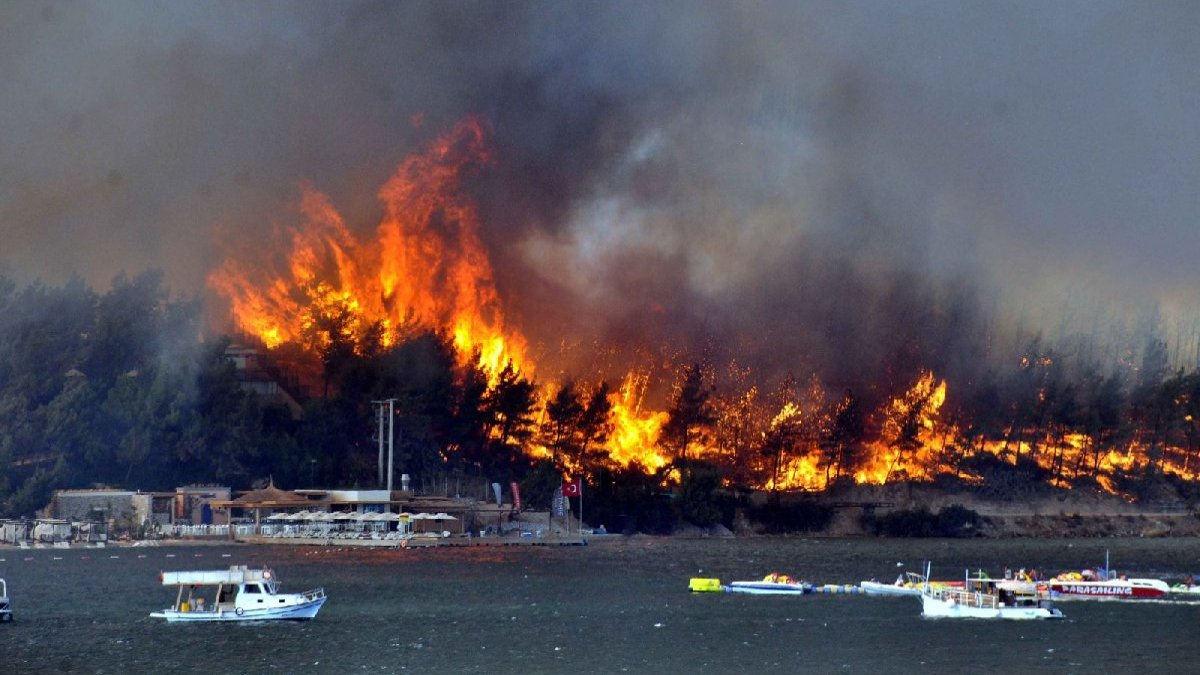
x,y
700,502
630,500
801,516
538,486
957,520
952,521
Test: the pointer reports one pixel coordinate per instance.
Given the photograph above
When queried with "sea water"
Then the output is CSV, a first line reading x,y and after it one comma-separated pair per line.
x,y
616,606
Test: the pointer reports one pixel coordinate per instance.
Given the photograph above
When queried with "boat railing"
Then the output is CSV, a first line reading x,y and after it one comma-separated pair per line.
x,y
313,594
967,598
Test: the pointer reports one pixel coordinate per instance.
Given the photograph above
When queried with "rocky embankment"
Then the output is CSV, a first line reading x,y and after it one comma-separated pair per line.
x,y
1052,513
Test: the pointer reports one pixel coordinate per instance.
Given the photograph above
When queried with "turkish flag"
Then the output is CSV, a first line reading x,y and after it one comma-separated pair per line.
x,y
572,488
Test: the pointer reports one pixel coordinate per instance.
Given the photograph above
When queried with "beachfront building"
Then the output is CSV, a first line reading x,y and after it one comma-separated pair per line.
x,y
153,509
94,506
272,505
263,502
97,512
193,504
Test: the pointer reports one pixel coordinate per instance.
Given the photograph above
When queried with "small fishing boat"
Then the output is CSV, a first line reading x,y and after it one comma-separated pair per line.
x,y
241,594
5,606
772,584
989,599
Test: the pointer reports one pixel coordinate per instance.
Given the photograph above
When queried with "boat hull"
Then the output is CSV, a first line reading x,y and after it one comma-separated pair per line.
x,y
304,611
943,609
768,588
1135,589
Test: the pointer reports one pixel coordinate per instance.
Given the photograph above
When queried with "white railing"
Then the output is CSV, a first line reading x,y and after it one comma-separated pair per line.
x,y
967,598
183,531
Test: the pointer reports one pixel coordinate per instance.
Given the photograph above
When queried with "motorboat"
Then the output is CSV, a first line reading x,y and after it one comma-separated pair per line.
x,y
908,584
1104,584
989,599
772,584
241,594
880,588
5,606
1069,588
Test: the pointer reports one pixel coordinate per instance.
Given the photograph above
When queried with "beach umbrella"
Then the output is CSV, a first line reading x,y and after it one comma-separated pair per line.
x,y
277,516
443,516
344,515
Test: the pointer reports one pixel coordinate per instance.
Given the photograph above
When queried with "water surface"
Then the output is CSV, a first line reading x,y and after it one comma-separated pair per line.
x,y
611,607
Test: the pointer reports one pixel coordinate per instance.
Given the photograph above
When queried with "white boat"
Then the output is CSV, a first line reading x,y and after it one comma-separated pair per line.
x,y
242,594
1105,584
989,599
772,584
907,585
5,606
1109,589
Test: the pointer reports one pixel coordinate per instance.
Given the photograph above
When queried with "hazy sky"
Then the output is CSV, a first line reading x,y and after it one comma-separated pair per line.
x,y
716,162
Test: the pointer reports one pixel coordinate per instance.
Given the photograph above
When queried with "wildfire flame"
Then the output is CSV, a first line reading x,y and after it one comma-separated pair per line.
x,y
425,268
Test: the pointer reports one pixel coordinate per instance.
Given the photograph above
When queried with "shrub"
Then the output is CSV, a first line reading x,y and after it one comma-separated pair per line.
x,y
700,502
952,521
800,516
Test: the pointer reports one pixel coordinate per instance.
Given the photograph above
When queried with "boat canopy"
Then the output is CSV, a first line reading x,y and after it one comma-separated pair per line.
x,y
238,574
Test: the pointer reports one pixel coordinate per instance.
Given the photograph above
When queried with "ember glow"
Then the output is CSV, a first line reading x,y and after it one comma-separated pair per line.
x,y
425,267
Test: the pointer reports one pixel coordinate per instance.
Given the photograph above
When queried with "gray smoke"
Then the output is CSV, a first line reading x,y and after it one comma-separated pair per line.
x,y
856,189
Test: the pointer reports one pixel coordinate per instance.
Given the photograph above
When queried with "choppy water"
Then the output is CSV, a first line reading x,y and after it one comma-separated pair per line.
x,y
612,607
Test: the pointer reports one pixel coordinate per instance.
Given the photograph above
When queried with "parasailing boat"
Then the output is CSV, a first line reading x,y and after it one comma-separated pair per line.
x,y
242,594
1104,584
1068,587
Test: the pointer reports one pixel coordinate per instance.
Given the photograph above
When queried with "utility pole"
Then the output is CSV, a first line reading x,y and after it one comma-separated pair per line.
x,y
391,446
379,437
391,442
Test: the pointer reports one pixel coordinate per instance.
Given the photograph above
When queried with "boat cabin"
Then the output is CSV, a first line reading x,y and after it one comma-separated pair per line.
x,y
236,590
1007,592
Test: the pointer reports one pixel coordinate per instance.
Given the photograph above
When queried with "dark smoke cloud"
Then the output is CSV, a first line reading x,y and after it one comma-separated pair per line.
x,y
850,188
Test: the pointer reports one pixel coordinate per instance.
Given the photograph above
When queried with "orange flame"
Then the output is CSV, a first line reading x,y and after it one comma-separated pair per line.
x,y
425,268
